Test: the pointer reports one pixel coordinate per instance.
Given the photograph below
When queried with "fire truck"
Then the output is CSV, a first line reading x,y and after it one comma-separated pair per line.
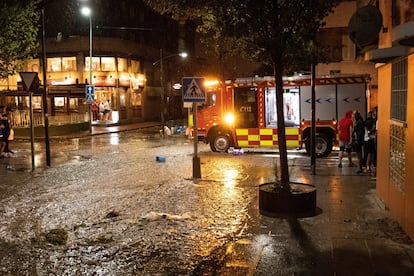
x,y
242,113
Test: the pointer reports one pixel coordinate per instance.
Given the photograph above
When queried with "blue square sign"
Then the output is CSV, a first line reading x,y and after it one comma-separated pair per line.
x,y
90,93
194,90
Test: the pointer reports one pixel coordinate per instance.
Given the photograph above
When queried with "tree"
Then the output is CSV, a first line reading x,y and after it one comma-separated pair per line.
x,y
19,29
281,33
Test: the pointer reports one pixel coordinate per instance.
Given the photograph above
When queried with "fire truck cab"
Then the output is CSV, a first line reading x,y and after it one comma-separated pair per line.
x,y
242,113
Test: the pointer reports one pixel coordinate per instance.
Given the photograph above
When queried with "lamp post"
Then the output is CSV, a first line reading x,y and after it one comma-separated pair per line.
x,y
88,12
161,62
44,95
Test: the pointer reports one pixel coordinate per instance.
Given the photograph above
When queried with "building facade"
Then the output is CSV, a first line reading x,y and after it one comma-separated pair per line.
x,y
394,60
127,39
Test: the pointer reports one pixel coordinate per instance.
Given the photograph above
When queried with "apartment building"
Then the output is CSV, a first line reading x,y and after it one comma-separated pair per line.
x,y
394,60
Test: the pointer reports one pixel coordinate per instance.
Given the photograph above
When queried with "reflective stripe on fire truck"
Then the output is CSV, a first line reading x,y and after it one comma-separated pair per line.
x,y
266,137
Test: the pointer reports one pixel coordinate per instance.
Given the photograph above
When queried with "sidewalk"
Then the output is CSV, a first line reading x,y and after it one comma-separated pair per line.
x,y
352,235
102,129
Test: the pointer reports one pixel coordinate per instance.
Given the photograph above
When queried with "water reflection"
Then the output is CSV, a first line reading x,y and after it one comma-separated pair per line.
x,y
229,181
114,139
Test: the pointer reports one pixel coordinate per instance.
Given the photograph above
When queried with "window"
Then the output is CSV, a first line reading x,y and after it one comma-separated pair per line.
x,y
134,66
399,90
136,99
96,64
122,65
59,102
245,104
68,64
108,64
54,64
61,64
211,99
397,128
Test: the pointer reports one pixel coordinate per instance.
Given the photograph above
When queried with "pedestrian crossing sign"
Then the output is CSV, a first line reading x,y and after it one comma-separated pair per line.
x,y
194,90
90,94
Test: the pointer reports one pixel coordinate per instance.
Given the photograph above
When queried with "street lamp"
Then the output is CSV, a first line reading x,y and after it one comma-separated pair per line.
x,y
88,12
161,61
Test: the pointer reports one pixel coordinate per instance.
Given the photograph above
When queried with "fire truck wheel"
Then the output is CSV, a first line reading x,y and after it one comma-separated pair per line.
x,y
323,146
220,143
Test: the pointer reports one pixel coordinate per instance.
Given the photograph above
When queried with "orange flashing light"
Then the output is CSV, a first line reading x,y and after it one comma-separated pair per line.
x,y
209,83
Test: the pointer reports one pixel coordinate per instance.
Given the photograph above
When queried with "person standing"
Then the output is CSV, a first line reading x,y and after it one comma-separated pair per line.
x,y
369,142
345,128
95,110
101,109
2,139
6,134
358,139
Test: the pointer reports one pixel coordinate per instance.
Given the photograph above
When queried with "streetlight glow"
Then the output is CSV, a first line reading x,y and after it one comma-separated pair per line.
x,y
183,54
86,11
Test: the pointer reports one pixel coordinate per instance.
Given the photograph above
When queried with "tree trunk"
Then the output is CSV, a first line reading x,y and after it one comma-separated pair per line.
x,y
284,168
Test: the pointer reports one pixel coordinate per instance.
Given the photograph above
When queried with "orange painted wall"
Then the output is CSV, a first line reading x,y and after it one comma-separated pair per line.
x,y
399,203
408,222
383,134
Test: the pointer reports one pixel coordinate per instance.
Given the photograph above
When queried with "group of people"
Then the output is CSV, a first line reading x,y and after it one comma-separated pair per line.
x,y
6,134
359,136
101,111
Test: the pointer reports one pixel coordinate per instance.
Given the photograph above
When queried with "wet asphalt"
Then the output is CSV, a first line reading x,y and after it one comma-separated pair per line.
x,y
351,234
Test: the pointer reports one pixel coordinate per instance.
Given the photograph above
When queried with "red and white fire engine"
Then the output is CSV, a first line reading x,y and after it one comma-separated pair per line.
x,y
242,113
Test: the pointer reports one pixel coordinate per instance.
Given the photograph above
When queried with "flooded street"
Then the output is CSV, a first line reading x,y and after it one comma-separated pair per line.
x,y
106,207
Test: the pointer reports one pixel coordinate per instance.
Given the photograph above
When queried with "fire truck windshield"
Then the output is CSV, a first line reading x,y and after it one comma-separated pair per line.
x,y
211,100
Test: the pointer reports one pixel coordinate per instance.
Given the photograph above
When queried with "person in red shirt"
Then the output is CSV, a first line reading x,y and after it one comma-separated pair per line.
x,y
345,128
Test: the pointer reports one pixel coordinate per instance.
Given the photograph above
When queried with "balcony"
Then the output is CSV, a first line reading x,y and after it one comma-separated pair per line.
x,y
404,34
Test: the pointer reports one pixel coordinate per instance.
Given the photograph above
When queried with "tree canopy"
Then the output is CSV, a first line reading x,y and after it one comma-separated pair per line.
x,y
264,31
281,33
19,24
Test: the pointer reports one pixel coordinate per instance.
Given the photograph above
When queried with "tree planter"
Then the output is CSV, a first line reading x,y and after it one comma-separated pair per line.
x,y
300,202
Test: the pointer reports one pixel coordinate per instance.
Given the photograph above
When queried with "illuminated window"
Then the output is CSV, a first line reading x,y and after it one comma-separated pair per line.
x,y
136,99
54,64
59,102
108,64
134,66
68,64
73,103
122,65
61,64
33,65
96,64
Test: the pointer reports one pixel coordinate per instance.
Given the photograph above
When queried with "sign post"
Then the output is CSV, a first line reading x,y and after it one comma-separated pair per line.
x,y
194,91
30,82
90,98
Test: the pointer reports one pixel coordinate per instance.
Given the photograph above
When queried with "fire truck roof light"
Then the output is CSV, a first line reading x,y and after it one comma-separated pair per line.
x,y
211,83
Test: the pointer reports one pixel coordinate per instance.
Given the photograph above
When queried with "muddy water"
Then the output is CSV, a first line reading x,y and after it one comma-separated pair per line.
x,y
119,211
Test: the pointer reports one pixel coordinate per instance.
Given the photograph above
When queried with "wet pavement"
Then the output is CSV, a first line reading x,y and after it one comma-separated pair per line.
x,y
106,207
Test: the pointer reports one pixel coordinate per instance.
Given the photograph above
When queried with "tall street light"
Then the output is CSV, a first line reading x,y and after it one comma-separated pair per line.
x,y
45,90
161,62
88,12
